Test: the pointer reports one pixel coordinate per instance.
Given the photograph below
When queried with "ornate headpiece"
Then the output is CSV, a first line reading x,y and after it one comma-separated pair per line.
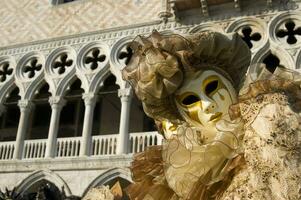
x,y
160,62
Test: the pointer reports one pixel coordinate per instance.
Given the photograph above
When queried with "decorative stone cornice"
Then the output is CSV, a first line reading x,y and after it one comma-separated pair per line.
x,y
109,36
113,43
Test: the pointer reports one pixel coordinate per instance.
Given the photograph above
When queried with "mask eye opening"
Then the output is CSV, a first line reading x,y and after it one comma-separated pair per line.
x,y
190,99
211,87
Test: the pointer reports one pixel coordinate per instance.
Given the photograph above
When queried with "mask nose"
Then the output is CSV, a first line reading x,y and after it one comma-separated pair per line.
x,y
209,107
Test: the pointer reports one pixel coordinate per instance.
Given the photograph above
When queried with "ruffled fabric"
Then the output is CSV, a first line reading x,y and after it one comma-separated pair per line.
x,y
191,160
155,72
197,163
148,176
259,82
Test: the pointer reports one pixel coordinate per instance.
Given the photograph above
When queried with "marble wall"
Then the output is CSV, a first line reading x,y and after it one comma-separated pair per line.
x,y
24,21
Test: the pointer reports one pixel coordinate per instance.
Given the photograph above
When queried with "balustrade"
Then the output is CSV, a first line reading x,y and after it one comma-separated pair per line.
x,y
34,149
70,147
104,144
7,150
139,141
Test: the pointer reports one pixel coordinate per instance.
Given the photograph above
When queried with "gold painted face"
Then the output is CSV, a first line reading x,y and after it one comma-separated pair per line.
x,y
205,97
169,129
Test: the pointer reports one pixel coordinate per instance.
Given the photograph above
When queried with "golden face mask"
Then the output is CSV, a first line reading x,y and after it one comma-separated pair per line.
x,y
205,97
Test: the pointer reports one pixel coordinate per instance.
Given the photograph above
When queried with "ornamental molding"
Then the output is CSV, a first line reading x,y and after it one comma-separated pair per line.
x,y
112,43
110,36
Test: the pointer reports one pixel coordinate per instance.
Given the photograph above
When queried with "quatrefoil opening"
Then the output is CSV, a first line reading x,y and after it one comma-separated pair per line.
x,y
94,58
5,71
62,63
126,54
249,36
32,67
290,32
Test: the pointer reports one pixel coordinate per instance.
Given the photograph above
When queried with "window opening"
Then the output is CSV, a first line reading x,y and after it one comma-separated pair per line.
x,y
72,114
139,121
106,117
41,114
10,118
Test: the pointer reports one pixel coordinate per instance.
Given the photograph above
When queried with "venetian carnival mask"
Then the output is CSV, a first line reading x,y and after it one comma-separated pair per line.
x,y
205,97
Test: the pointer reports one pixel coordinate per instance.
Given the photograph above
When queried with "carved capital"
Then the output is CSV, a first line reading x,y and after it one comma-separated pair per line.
x,y
89,99
25,105
125,94
57,102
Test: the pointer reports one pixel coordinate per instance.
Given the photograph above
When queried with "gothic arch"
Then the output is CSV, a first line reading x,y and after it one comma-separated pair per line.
x,y
117,63
59,81
253,27
206,27
43,175
108,176
8,85
28,85
285,58
277,23
90,77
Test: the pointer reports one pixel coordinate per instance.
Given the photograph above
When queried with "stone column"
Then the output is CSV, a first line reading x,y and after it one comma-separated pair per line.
x,y
25,109
56,103
123,139
86,141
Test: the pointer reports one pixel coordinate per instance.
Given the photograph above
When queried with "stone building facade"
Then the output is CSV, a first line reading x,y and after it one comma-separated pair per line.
x,y
67,117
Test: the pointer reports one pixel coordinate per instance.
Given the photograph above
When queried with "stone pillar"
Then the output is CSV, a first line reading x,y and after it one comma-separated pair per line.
x,y
25,109
56,104
123,139
86,141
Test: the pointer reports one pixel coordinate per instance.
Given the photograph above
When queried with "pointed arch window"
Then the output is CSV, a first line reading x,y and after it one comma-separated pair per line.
x,y
9,119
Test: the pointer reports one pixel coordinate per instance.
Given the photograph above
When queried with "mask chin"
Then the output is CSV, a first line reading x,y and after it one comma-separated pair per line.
x,y
205,97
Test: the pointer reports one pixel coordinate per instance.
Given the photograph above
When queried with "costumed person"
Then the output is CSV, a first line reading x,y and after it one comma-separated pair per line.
x,y
190,86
